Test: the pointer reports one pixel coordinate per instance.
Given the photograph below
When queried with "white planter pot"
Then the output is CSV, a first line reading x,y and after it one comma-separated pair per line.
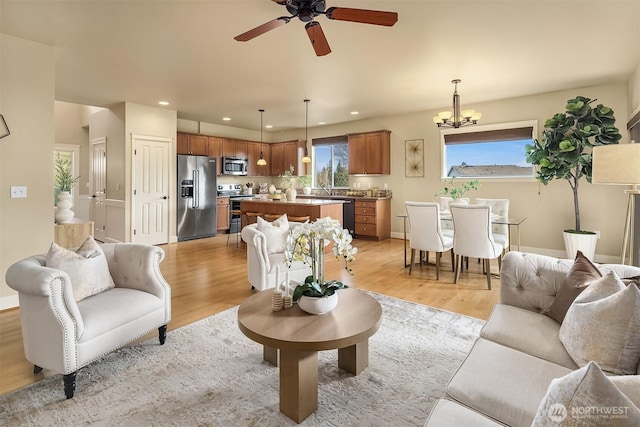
x,y
64,214
306,190
313,305
586,243
291,194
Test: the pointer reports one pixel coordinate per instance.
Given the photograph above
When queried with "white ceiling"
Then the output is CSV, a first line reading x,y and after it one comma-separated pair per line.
x,y
109,51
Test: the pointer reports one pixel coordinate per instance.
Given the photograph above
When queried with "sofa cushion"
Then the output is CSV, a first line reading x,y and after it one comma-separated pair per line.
x,y
524,330
275,232
586,397
503,383
582,272
86,266
603,325
446,413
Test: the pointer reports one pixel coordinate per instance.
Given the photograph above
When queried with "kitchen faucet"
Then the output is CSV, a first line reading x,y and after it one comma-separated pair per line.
x,y
327,189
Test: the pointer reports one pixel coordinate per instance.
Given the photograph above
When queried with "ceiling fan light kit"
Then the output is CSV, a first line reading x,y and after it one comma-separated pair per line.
x,y
456,118
307,10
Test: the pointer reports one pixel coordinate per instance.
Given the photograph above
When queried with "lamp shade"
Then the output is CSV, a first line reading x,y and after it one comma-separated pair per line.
x,y
616,164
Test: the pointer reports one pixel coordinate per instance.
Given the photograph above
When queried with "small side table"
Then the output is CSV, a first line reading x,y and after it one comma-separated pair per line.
x,y
72,234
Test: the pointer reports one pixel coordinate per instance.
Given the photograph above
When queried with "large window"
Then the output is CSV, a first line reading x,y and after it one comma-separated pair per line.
x,y
494,151
331,162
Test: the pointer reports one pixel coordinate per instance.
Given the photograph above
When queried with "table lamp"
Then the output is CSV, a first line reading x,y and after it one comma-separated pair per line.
x,y
619,164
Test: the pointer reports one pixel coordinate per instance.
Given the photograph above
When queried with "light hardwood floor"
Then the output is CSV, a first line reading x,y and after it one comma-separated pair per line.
x,y
207,276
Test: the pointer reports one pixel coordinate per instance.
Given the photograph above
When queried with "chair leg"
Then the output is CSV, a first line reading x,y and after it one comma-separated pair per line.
x,y
453,265
487,262
438,255
458,267
36,369
69,384
162,334
413,255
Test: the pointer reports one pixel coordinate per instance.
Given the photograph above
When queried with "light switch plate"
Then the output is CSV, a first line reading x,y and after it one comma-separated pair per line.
x,y
18,192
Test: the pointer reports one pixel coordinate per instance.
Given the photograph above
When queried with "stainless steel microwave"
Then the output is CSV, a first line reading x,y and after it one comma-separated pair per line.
x,y
234,166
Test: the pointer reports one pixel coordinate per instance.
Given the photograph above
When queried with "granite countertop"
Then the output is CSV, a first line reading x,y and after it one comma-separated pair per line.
x,y
298,201
317,196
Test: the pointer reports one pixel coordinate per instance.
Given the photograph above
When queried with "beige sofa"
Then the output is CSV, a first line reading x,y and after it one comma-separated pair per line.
x,y
504,378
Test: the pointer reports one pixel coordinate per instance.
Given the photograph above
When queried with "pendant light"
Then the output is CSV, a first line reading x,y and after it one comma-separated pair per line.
x,y
261,160
456,118
306,158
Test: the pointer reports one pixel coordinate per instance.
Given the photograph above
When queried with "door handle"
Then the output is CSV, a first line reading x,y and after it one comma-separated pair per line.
x,y
165,197
94,196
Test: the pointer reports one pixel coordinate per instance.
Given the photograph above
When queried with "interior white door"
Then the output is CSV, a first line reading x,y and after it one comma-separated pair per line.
x,y
150,214
98,183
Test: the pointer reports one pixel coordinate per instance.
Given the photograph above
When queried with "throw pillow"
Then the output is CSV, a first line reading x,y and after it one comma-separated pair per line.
x,y
275,232
86,266
586,396
603,325
582,271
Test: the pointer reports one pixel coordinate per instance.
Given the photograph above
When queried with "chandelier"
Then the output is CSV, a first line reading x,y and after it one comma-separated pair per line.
x,y
261,160
306,158
456,118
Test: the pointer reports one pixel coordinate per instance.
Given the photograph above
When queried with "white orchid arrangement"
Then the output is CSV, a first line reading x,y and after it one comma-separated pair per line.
x,y
306,243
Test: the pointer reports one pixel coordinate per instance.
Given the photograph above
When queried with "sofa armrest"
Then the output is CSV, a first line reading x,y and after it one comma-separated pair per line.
x,y
49,290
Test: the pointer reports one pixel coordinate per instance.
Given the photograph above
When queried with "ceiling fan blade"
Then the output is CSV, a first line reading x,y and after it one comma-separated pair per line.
x,y
364,16
318,40
261,29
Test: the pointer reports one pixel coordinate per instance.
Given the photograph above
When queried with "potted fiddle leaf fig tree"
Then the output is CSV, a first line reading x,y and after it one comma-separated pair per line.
x,y
565,153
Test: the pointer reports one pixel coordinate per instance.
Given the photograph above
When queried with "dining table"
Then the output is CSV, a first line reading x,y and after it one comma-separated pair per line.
x,y
446,216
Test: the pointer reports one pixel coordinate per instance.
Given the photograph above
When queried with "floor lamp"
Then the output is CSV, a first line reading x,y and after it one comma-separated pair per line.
x,y
619,164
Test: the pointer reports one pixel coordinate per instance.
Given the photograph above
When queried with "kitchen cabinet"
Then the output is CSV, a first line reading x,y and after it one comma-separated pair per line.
x,y
373,218
370,153
188,143
253,150
284,154
234,148
222,214
215,150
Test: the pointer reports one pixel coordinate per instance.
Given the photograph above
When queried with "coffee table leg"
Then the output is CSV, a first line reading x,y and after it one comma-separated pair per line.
x,y
298,384
270,354
354,358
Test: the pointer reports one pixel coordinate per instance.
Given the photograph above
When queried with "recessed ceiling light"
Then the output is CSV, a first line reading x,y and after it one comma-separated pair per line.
x,y
354,113
268,126
322,123
163,102
226,119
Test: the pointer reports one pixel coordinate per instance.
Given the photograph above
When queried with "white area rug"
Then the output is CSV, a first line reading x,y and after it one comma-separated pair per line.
x,y
209,374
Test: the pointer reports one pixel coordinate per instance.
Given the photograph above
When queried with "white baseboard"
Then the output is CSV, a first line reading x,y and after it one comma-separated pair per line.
x,y
9,302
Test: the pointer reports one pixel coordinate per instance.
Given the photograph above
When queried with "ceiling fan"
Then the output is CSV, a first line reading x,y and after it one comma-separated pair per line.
x,y
307,10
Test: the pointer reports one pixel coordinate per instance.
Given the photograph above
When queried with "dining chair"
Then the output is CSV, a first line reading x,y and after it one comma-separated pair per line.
x,y
499,207
425,232
472,237
444,201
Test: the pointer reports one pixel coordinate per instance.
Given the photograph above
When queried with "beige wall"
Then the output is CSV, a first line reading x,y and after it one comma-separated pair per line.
x,y
549,209
26,156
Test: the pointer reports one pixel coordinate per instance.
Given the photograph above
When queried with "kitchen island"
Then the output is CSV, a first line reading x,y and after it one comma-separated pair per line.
x,y
313,208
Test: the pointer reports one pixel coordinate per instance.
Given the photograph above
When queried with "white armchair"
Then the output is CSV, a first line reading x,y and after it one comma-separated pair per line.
x,y
63,335
261,265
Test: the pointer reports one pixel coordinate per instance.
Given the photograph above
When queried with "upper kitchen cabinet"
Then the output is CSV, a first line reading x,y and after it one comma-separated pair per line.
x,y
234,148
370,153
284,154
253,149
215,150
188,143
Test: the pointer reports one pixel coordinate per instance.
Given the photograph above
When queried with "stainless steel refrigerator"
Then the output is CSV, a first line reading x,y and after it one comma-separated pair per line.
x,y
197,193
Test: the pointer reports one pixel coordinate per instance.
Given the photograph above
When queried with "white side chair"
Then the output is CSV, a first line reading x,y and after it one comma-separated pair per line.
x,y
447,224
499,207
63,335
426,232
262,262
473,237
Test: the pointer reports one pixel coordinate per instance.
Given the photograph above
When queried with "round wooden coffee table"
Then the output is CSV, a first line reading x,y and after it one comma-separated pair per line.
x,y
298,336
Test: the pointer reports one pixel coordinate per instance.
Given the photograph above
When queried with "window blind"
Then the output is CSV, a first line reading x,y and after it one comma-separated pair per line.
x,y
329,140
513,134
